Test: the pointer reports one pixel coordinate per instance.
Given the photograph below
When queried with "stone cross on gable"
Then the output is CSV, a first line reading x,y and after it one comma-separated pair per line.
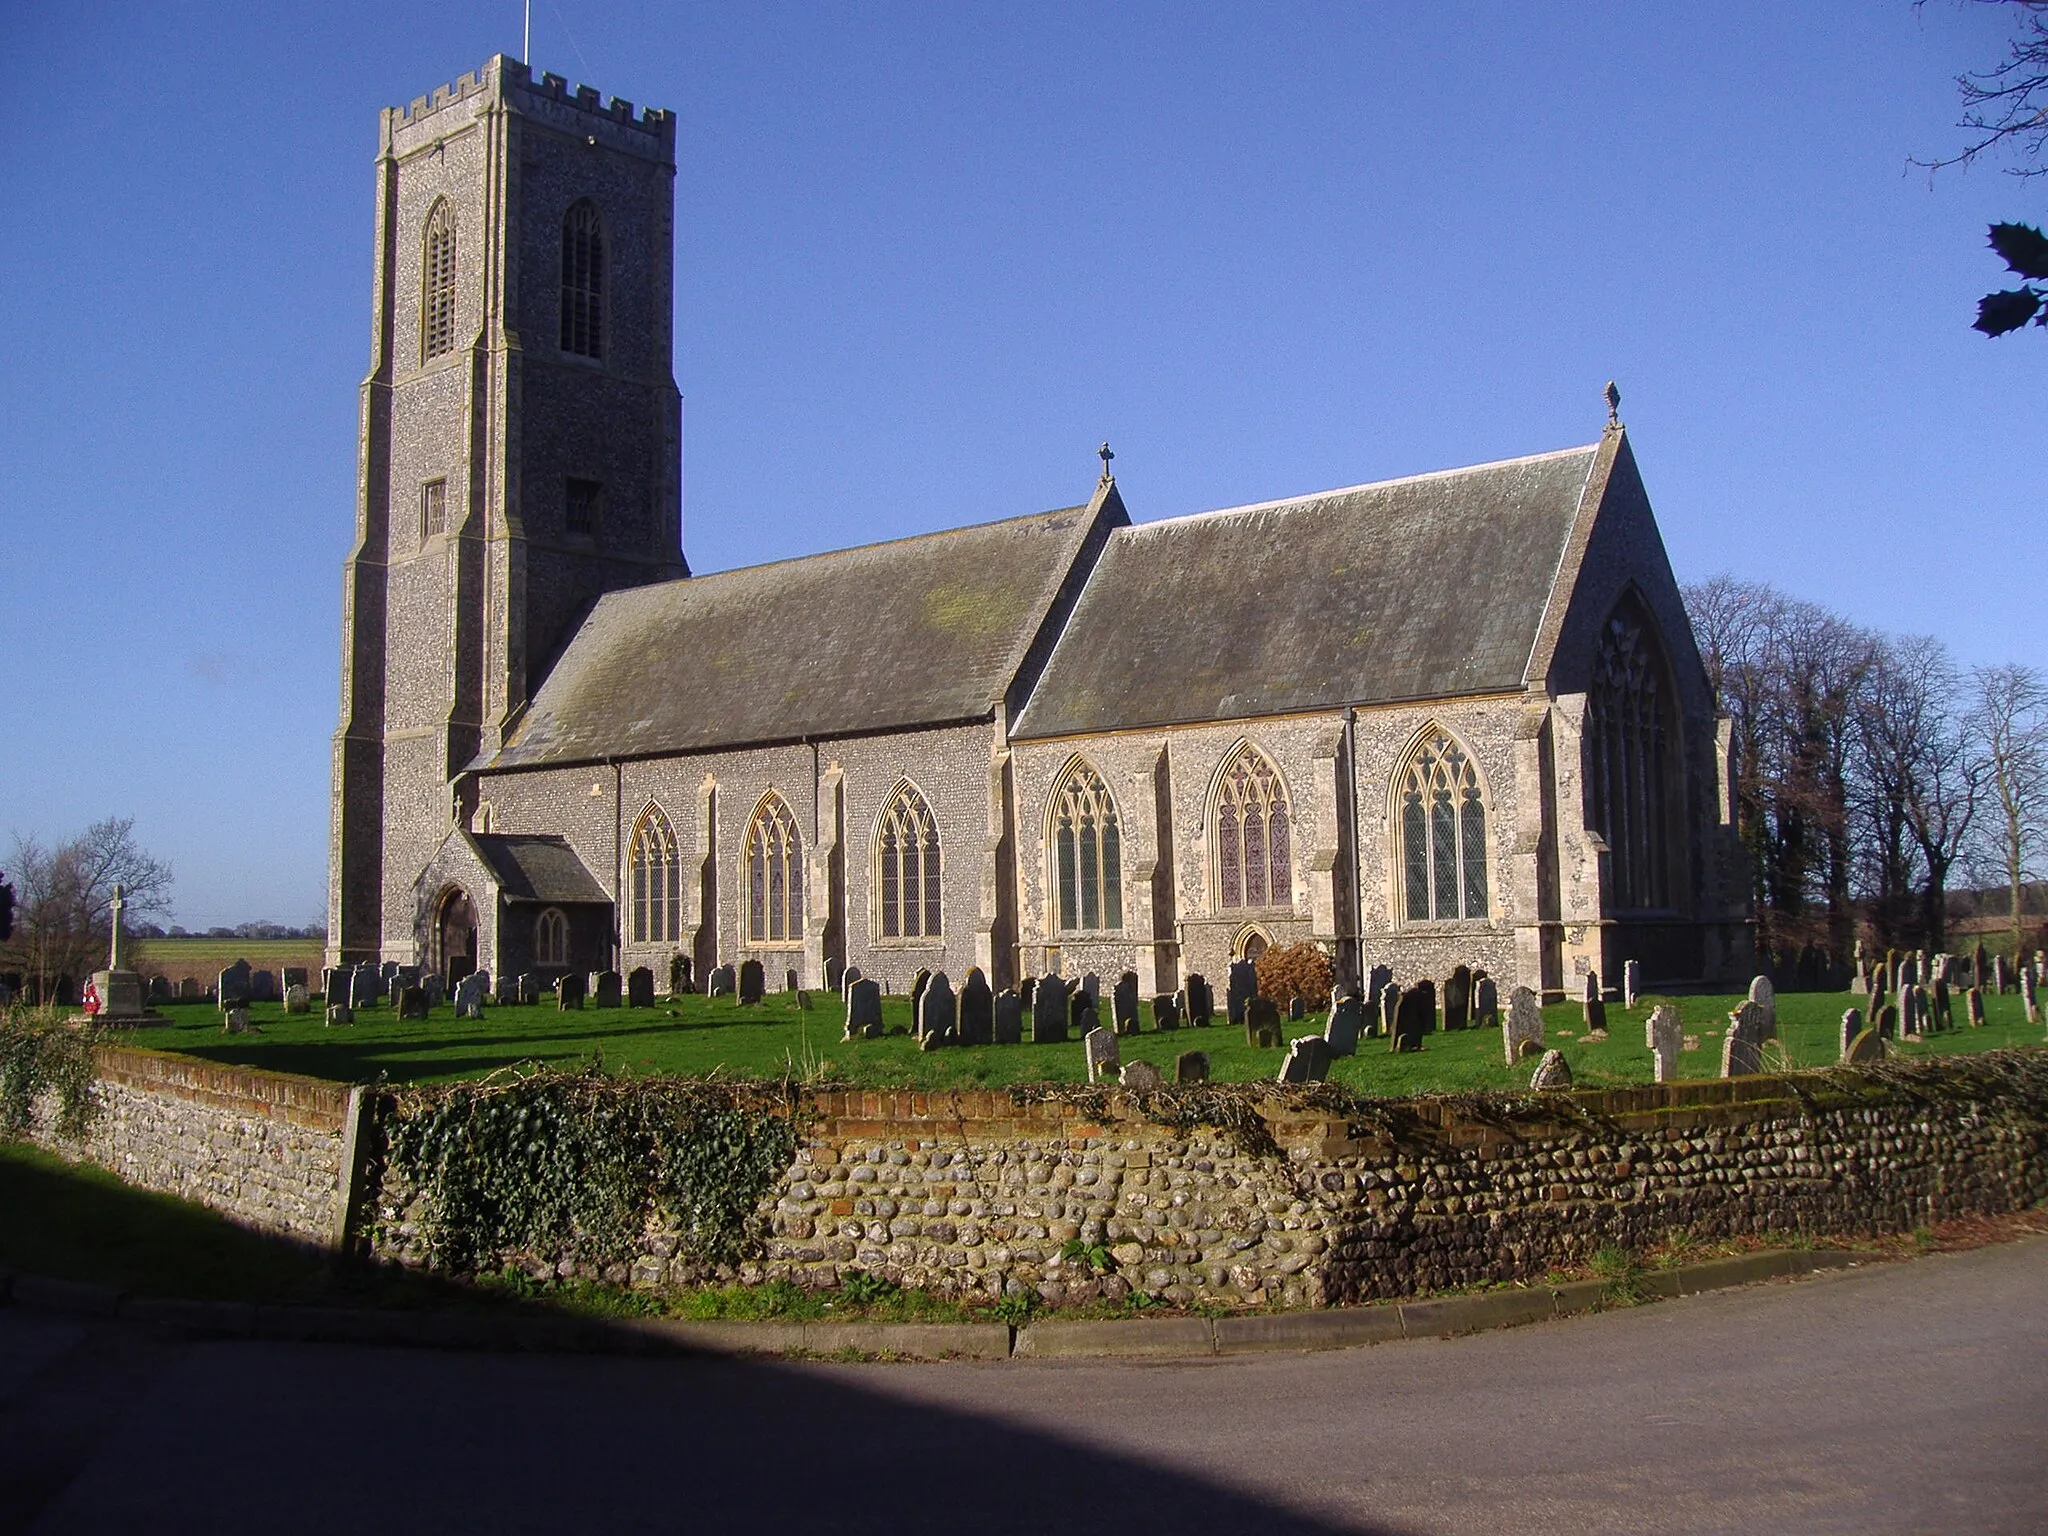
x,y
1105,455
114,942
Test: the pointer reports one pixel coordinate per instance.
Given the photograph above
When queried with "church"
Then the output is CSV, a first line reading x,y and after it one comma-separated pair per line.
x,y
1453,718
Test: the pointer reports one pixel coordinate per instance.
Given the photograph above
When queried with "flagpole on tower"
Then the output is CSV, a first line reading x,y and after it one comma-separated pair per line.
x,y
526,36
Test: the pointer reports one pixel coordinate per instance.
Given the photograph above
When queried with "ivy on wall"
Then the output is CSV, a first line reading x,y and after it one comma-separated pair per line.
x,y
585,1163
39,1055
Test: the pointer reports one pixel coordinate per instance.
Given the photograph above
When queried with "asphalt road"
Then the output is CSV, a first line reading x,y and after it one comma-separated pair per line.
x,y
1904,1397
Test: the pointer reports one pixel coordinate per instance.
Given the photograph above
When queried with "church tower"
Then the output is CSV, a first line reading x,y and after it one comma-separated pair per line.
x,y
518,448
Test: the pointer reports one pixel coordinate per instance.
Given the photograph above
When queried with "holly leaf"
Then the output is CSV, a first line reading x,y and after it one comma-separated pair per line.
x,y
2024,248
1998,313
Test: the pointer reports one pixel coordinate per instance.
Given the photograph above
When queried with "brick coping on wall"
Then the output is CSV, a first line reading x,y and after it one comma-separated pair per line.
x,y
315,1103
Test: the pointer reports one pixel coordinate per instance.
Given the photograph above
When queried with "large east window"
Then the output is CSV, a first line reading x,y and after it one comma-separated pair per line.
x,y
1629,760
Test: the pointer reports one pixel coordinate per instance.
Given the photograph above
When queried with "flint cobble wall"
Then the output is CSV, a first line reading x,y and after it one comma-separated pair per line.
x,y
264,1148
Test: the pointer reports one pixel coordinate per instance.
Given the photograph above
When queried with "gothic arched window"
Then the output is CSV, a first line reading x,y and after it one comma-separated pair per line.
x,y
774,854
1254,862
437,283
657,881
907,867
1443,834
583,281
1629,759
551,938
1087,852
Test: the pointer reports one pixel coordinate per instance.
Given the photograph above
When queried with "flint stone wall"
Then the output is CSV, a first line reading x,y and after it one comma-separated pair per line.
x,y
266,1149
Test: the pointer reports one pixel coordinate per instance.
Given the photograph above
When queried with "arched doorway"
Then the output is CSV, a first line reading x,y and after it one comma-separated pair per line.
x,y
1252,942
455,936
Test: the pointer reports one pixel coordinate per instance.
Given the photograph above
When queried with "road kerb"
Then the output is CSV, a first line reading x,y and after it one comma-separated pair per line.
x,y
1136,1336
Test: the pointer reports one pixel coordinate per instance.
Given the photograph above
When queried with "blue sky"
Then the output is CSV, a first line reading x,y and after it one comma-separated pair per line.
x,y
928,257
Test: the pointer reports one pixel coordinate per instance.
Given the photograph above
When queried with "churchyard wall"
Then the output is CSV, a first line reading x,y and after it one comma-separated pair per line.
x,y
265,1148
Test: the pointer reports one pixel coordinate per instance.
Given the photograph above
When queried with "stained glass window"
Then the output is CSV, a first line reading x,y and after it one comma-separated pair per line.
x,y
1443,834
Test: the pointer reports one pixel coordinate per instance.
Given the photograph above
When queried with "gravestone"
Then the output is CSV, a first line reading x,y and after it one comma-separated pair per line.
x,y
402,976
235,1021
569,992
1485,1003
835,974
1973,1008
1553,1071
1912,1014
1307,1060
1742,1047
1091,986
1416,1013
1377,980
334,983
1865,1048
640,987
603,990
296,999
364,987
528,988
1940,1009
159,990
682,978
1191,1067
469,995
753,983
339,1014
294,976
1980,965
2030,997
917,985
1008,1023
1885,1022
720,982
1595,1006
1347,1015
1244,986
1123,1004
1999,979
847,978
1262,1022
262,987
232,990
1859,984
1166,1011
790,980
1852,1026
938,1013
1631,983
432,986
1521,1032
1457,1000
1027,989
1389,1006
1141,1077
1049,1011
412,1002
803,1001
1297,1009
1104,1056
1082,1014
1664,1034
977,1009
863,1010
1201,1001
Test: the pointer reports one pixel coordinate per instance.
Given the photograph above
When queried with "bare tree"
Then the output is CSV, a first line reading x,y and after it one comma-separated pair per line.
x,y
2009,718
62,919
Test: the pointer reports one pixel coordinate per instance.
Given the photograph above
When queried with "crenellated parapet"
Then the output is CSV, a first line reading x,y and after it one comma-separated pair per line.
x,y
580,109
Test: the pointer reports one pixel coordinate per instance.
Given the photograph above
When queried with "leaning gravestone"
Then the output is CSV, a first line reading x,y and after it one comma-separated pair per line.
x,y
1865,1048
1123,1004
233,988
1007,1027
720,982
1165,1011
1347,1014
1521,1032
569,992
1458,997
1485,1003
1191,1067
1104,1056
1596,1006
1049,1011
412,1002
1307,1061
1631,983
295,1000
753,983
262,987
977,1009
640,987
1417,1012
1553,1071
1664,1034
1742,1047
1141,1077
1262,1022
338,1014
1082,1014
1852,1026
1201,1001
1244,986
1765,996
938,1013
863,1010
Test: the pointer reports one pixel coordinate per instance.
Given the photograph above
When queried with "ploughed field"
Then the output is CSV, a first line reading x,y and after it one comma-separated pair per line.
x,y
695,1036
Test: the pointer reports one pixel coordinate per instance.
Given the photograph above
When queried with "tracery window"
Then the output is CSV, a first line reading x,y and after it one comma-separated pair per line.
x,y
437,283
1254,862
583,281
907,873
1629,760
657,877
1443,834
774,854
1087,852
551,938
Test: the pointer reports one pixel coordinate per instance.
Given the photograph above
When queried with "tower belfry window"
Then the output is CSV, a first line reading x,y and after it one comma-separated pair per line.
x,y
583,282
437,284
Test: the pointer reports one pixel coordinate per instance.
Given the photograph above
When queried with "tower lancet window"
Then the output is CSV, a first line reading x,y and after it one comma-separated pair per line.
x,y
583,281
437,284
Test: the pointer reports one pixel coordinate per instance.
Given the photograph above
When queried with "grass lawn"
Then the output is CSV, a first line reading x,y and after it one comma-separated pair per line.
x,y
694,1036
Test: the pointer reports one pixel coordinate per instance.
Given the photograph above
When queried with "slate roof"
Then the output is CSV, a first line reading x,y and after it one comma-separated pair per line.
x,y
921,631
537,868
1425,587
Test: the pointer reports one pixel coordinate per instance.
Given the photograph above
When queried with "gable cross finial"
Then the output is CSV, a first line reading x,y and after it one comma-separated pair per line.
x,y
1105,455
1612,394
